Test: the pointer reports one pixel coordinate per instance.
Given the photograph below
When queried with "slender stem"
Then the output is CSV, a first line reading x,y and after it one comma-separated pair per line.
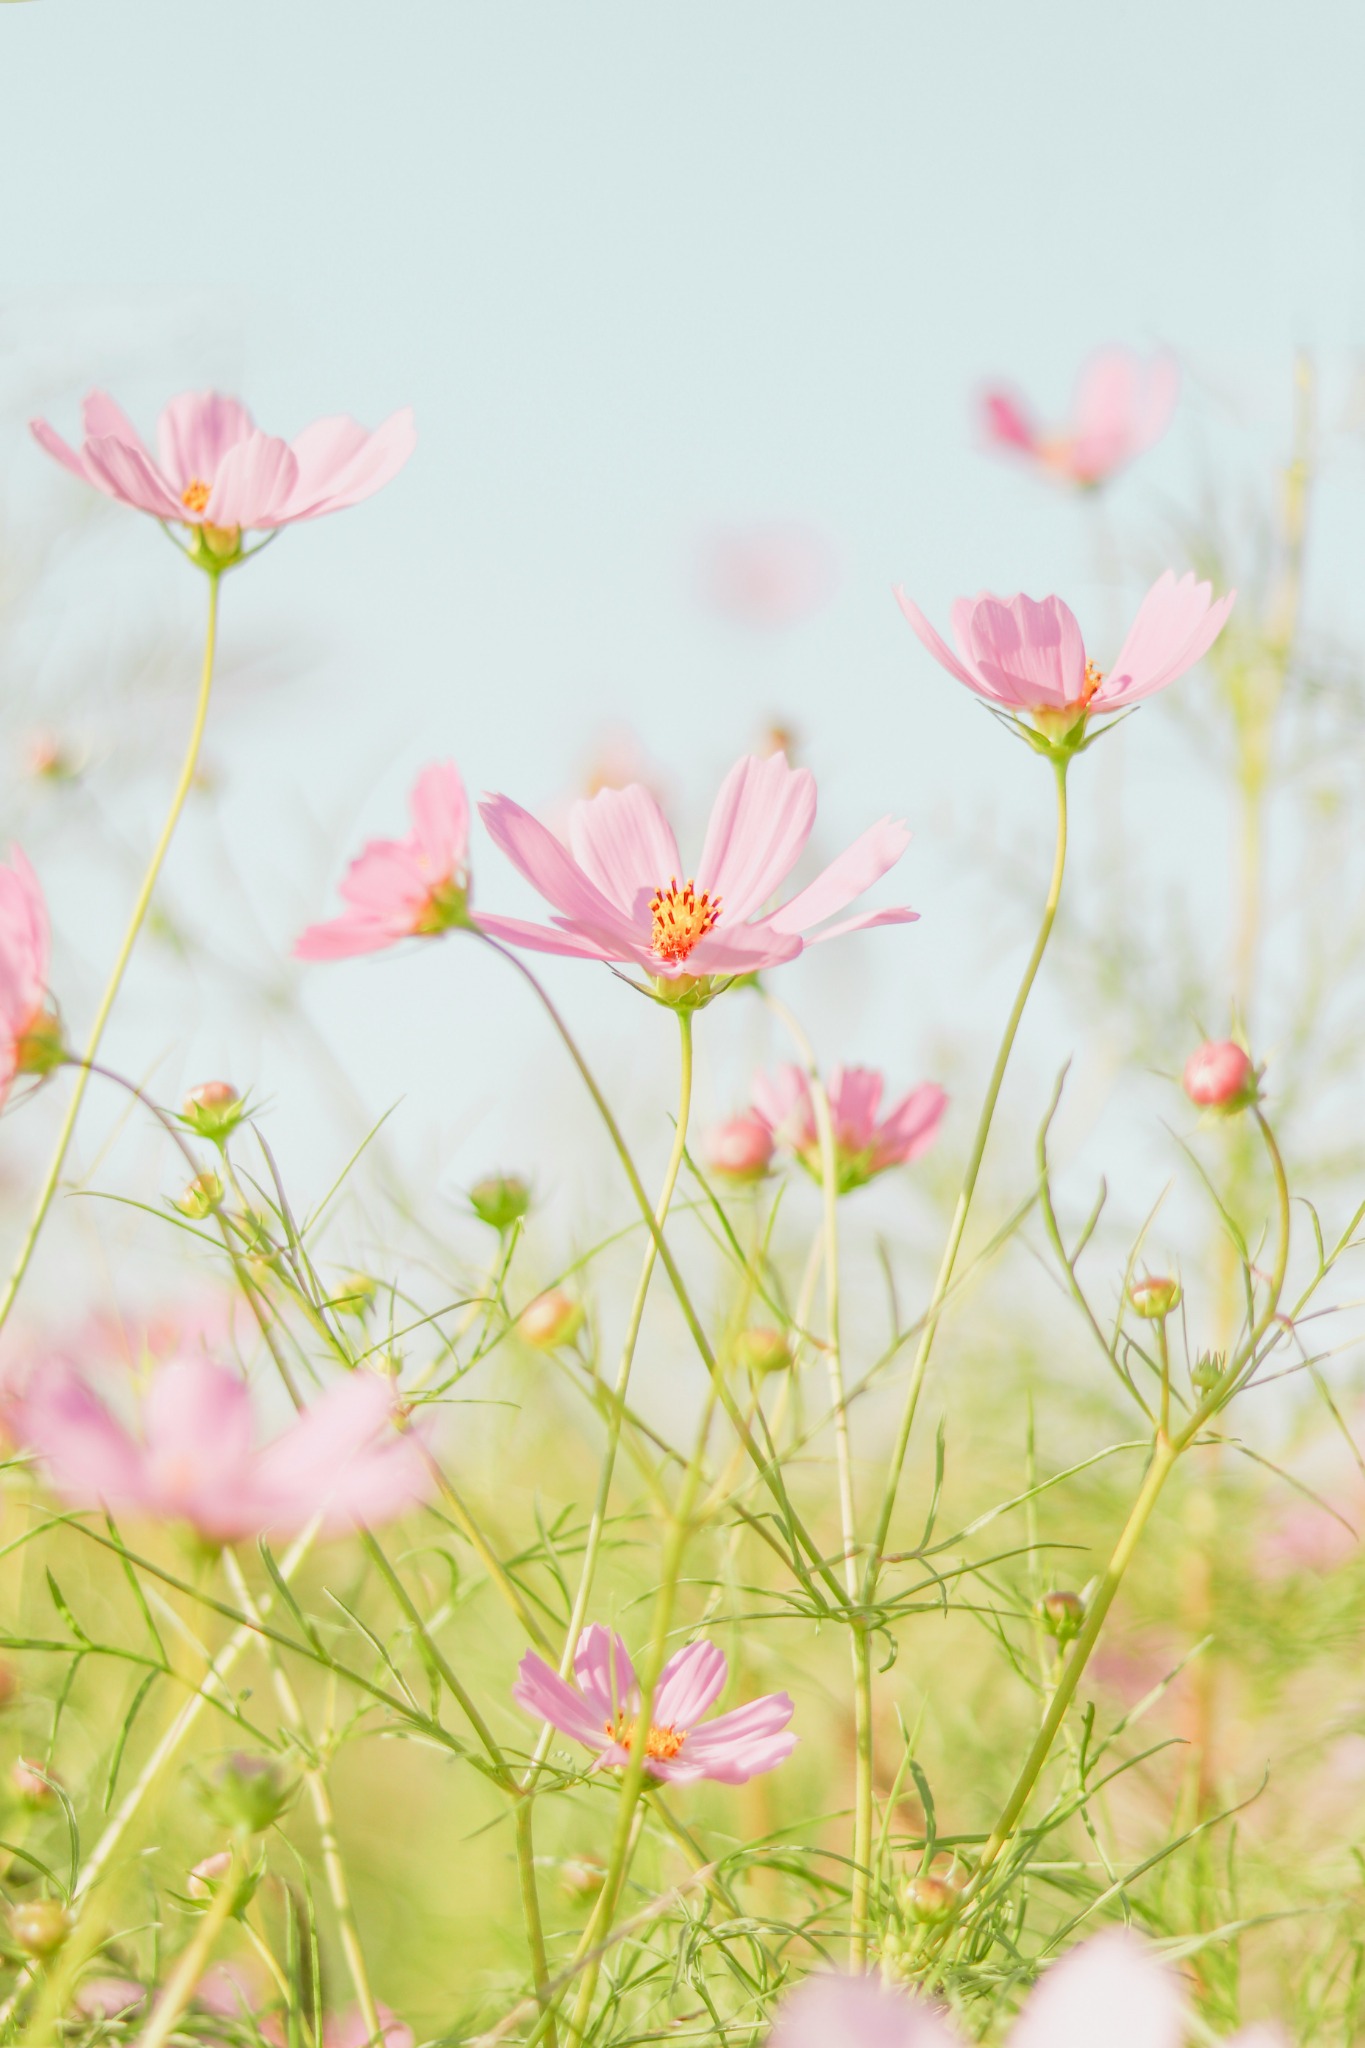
x,y
1163,1349
964,1200
135,923
189,1968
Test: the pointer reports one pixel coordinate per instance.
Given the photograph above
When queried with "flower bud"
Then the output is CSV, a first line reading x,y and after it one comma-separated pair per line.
x,y
1154,1296
247,1794
1220,1076
582,1877
500,1201
552,1319
39,1926
46,759
201,1197
354,1295
740,1150
1207,1370
1062,1615
762,1350
213,1110
41,1049
34,1785
930,1900
206,1874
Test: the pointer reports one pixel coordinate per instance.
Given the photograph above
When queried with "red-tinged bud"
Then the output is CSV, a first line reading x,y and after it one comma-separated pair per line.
x,y
931,1900
206,1875
34,1785
1154,1296
201,1197
552,1319
582,1878
740,1150
763,1350
1220,1076
1062,1615
500,1201
213,1110
39,1926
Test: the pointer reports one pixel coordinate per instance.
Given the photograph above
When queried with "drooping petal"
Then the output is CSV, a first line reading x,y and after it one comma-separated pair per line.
x,y
1114,1974
759,825
939,648
828,2011
193,435
543,1693
551,869
547,938
51,442
625,845
253,483
337,469
1032,654
103,418
865,921
856,869
690,1682
129,474
605,1674
1176,625
343,938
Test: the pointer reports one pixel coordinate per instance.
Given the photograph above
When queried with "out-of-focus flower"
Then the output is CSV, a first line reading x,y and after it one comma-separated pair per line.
x,y
195,1459
47,758
616,883
1112,1988
1028,657
1154,1296
404,888
602,1712
348,2030
213,1110
214,469
207,1873
582,1877
1123,403
233,1991
762,1350
740,1150
863,1144
200,1196
106,1998
39,1926
500,1201
552,1319
1220,1076
34,1785
30,1041
769,575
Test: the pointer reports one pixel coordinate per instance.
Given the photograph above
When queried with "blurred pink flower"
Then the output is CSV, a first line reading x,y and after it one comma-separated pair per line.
x,y
404,888
1112,1988
768,575
24,947
215,468
741,1149
601,1714
348,2030
616,883
195,1459
1219,1075
863,1145
104,1998
1029,657
1123,403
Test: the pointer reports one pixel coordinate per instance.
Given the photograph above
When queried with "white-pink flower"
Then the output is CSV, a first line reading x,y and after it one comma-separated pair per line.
x,y
623,893
601,1712
404,888
1123,403
865,1142
24,947
214,467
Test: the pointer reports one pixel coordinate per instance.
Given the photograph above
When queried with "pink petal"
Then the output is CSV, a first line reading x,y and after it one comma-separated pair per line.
x,y
194,434
385,880
1114,1974
102,418
24,946
746,949
912,1126
340,464
1123,404
828,2011
549,868
742,1744
856,869
759,825
625,846
253,483
783,1100
855,1095
866,921
1031,654
605,1674
440,818
1175,627
544,938
52,444
1006,421
544,1695
689,1683
344,938
130,475
940,649
344,1459
91,1459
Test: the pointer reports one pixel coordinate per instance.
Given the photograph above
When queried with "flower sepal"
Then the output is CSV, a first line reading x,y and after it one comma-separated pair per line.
x,y
42,1048
446,909
215,548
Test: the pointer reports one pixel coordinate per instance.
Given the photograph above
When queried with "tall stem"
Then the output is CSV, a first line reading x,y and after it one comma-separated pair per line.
x,y
189,1968
115,981
968,1189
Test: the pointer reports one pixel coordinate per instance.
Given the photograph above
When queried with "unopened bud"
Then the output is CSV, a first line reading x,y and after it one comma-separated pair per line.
x,y
552,1319
46,759
213,1109
582,1877
763,1350
34,1785
39,1926
247,1794
354,1295
931,1900
1220,1076
201,1197
1062,1615
500,1201
207,1874
40,1050
1207,1370
740,1150
1154,1296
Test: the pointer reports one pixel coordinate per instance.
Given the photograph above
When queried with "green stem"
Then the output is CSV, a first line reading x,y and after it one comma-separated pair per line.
x,y
964,1200
135,923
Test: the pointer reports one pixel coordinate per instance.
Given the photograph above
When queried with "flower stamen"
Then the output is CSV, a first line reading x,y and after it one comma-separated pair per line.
x,y
196,494
682,919
661,1744
1093,678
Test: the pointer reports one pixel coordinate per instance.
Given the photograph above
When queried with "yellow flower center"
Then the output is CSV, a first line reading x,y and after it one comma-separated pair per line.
x,y
196,494
681,920
660,1743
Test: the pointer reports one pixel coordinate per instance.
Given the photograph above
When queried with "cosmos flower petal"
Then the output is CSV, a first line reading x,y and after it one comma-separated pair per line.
x,y
544,1694
337,470
857,868
605,1674
1176,624
440,818
939,648
835,2011
690,1682
193,435
1114,1974
130,475
1031,653
625,845
253,483
547,938
550,868
759,825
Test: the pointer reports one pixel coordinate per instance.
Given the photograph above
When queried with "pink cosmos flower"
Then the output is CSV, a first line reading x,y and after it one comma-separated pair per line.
x,y
404,888
1029,657
681,1747
348,2030
215,468
195,1459
741,1149
863,1145
1123,403
24,947
768,575
1112,1988
617,891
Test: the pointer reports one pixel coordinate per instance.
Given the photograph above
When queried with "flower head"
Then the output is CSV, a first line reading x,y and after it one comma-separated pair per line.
x,y
215,471
1028,657
28,1038
404,888
1220,1075
601,1712
195,1458
864,1145
741,1149
618,892
1123,403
